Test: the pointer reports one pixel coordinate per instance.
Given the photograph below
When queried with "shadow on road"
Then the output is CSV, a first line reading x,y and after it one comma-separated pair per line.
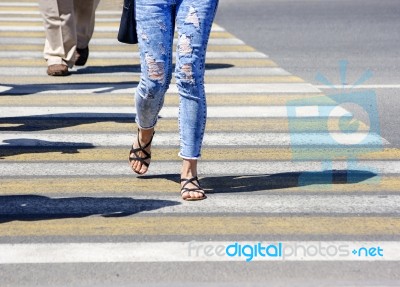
x,y
62,120
17,146
34,207
251,183
91,87
107,69
30,146
134,68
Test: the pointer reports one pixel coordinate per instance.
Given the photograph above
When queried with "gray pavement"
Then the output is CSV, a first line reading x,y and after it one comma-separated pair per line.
x,y
306,37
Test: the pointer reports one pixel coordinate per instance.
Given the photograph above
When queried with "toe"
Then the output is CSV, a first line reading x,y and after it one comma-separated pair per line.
x,y
195,194
143,169
132,164
185,195
136,166
139,168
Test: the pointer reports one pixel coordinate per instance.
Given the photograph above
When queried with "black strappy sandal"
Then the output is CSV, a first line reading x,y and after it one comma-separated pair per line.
x,y
133,153
197,188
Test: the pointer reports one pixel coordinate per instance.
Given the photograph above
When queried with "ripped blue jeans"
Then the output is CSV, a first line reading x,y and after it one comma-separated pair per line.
x,y
156,20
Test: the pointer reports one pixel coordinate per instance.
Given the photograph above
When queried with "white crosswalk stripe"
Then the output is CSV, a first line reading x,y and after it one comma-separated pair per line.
x,y
172,112
212,168
167,252
128,89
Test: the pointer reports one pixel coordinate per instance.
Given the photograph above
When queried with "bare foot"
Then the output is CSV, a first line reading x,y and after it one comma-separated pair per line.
x,y
140,154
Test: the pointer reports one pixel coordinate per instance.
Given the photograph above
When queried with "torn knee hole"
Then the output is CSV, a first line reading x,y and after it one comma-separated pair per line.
x,y
185,46
192,17
188,72
155,69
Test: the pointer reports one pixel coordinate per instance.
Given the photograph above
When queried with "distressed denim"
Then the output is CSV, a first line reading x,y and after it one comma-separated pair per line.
x,y
156,20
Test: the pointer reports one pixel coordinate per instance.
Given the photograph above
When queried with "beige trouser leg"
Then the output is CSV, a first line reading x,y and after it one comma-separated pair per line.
x,y
62,31
84,16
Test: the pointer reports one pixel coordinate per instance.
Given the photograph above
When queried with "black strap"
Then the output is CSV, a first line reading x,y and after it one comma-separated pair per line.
x,y
142,149
197,187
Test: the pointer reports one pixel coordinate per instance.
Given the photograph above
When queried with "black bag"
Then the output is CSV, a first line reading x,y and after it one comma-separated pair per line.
x,y
127,27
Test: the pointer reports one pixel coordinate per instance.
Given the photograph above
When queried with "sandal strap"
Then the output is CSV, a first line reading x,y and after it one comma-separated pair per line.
x,y
135,150
139,158
142,149
192,180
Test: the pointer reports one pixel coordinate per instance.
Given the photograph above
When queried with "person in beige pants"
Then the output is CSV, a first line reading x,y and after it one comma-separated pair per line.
x,y
69,26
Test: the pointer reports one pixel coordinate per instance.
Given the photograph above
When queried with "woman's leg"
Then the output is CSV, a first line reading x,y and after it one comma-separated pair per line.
x,y
194,20
155,34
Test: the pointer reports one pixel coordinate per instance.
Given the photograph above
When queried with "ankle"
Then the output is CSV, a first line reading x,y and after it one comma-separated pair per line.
x,y
145,135
189,168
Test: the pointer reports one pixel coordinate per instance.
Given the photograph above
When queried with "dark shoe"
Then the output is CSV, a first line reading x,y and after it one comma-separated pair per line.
x,y
57,70
81,56
134,156
195,182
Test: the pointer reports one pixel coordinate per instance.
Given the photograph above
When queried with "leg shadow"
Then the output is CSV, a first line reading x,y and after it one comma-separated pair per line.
x,y
91,87
62,120
134,68
34,207
252,183
29,146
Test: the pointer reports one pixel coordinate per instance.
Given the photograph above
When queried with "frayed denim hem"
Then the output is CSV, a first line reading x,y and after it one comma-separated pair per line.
x,y
187,157
142,128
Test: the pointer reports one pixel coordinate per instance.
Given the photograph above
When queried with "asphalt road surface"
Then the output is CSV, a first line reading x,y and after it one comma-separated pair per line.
x,y
310,37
